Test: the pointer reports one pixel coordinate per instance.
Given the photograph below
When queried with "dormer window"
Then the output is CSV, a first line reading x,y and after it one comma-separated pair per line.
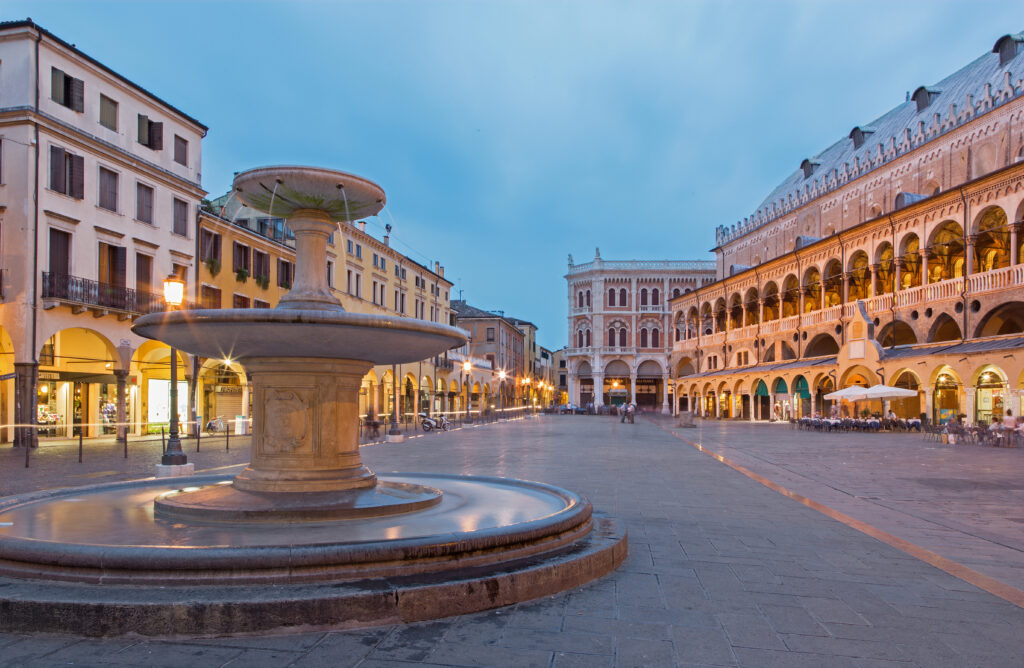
x,y
923,96
1008,46
808,166
858,135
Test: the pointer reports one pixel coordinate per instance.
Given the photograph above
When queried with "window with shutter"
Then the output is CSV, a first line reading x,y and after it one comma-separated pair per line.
x,y
156,136
76,176
144,129
143,273
209,246
77,95
108,113
144,203
60,252
240,301
58,170
108,189
241,257
57,86
180,150
210,297
180,217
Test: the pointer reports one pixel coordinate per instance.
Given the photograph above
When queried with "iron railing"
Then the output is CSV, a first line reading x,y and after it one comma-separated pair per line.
x,y
84,291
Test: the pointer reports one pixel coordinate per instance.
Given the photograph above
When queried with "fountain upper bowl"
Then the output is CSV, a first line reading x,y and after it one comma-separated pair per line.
x,y
284,189
256,332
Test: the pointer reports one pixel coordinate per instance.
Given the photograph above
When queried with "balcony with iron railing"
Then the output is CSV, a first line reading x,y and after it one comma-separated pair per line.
x,y
85,293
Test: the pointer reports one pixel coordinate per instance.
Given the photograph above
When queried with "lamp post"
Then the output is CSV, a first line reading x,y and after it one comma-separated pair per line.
x,y
394,434
501,391
467,366
174,293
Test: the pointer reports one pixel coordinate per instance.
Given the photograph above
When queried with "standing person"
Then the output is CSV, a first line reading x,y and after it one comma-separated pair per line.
x,y
1009,422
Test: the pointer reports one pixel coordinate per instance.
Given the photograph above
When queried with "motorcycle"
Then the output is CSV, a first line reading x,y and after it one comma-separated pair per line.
x,y
429,423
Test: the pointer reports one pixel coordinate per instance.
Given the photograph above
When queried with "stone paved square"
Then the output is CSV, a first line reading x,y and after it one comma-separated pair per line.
x,y
722,570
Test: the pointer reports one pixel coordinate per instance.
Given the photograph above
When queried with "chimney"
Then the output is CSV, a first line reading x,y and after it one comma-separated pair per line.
x,y
362,225
387,239
441,273
437,268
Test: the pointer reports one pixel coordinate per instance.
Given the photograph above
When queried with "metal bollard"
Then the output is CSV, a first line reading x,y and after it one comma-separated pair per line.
x,y
199,435
126,443
163,442
227,437
79,446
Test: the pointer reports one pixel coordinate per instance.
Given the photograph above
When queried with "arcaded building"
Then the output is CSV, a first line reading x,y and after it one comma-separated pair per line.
x,y
911,220
619,328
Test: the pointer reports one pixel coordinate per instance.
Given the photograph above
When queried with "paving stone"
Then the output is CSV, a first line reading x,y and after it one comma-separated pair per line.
x,y
568,641
618,628
263,658
635,653
788,619
451,654
764,658
569,660
703,646
159,654
750,631
410,643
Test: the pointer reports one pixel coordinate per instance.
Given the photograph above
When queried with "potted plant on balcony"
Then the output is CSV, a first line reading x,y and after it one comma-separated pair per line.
x,y
242,275
212,265
263,281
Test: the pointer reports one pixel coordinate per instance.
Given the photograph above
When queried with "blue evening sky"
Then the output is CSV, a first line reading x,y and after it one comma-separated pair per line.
x,y
510,134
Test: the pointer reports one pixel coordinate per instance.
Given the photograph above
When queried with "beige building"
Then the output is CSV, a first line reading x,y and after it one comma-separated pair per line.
x,y
99,189
619,328
913,219
246,259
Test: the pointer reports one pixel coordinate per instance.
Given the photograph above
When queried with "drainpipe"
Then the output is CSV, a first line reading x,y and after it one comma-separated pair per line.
x,y
800,315
845,287
963,285
760,314
892,305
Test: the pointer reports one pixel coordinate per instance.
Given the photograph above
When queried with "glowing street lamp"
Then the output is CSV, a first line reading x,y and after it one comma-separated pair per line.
x,y
501,376
467,366
174,294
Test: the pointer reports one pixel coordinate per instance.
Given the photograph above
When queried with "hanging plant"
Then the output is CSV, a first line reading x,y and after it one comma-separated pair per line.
x,y
212,265
263,281
242,275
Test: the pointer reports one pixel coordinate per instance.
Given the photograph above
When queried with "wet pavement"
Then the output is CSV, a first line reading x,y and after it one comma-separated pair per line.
x,y
722,571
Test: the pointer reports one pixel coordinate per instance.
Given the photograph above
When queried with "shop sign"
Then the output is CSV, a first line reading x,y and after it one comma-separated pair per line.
x,y
8,376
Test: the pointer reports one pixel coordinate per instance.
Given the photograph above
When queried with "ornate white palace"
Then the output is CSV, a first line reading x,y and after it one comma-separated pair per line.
x,y
916,216
619,325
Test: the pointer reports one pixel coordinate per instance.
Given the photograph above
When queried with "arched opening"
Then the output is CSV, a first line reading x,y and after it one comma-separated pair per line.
x,y
151,408
762,401
649,385
896,333
884,258
720,315
579,299
1006,318
77,387
735,311
643,296
860,276
623,337
585,377
991,394
588,297
992,245
790,296
655,297
947,248
643,337
945,396
587,338
821,345
909,407
616,383
812,290
945,328
825,406
771,302
622,297
685,367
782,408
223,391
786,351
910,262
611,337
833,279
750,300
655,338
801,397
611,296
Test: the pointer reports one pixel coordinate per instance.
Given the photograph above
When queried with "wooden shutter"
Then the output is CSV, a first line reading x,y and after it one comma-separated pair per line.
x,y
57,172
108,113
144,129
108,189
77,94
56,85
156,136
60,251
119,263
143,273
77,176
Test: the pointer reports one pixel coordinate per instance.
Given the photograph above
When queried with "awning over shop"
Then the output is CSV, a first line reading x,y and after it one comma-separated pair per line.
x,y
761,390
800,388
781,387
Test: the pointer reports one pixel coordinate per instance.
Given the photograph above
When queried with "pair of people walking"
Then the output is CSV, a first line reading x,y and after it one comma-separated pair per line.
x,y
628,412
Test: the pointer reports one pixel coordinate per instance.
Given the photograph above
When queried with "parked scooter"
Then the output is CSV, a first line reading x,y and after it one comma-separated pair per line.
x,y
429,423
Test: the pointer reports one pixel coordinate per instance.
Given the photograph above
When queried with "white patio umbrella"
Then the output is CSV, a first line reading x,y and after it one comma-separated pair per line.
x,y
852,393
887,392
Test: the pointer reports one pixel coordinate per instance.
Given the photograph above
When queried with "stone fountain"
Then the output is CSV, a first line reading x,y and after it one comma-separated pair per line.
x,y
332,542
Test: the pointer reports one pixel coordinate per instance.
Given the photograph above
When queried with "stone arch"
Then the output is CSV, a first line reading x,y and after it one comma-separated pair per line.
x,y
786,351
946,251
649,369
812,289
860,275
910,260
832,277
771,301
992,243
1006,318
685,367
896,333
945,328
858,375
750,299
735,314
616,368
821,345
790,296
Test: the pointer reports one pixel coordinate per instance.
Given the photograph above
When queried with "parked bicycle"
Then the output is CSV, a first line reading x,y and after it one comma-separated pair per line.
x,y
215,425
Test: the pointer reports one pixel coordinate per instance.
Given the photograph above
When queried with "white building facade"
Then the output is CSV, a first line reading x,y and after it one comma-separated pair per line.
x,y
99,193
620,328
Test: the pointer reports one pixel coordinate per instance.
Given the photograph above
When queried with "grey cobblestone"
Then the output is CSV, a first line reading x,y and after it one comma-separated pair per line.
x,y
722,571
